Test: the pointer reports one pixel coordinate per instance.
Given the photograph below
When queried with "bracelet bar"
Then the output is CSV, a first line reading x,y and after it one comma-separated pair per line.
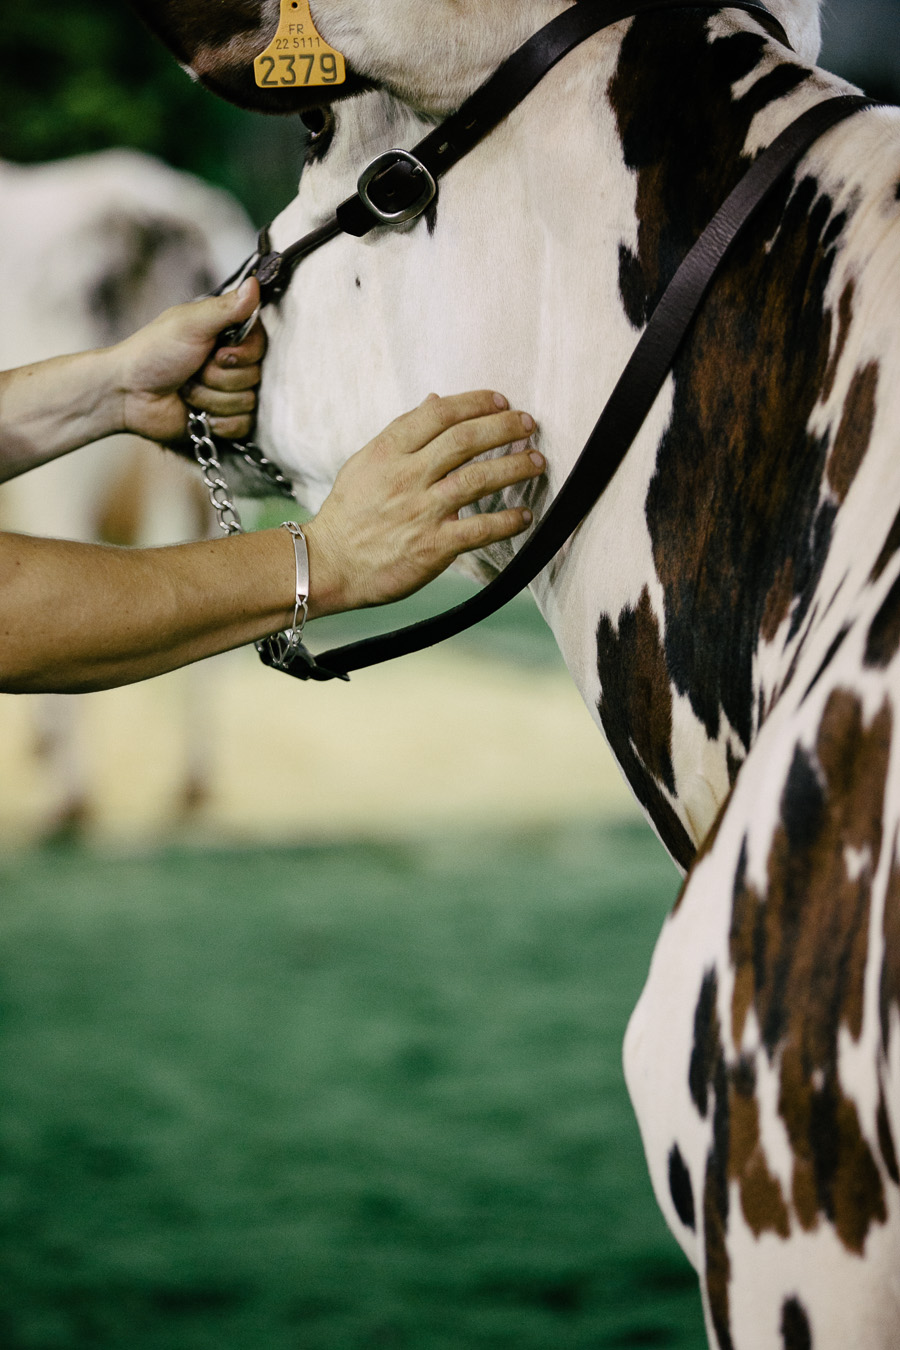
x,y
279,649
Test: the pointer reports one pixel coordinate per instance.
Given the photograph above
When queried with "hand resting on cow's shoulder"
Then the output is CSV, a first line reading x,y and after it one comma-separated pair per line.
x,y
75,617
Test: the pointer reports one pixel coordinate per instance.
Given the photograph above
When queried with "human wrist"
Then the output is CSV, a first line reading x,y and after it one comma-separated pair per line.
x,y
330,585
109,384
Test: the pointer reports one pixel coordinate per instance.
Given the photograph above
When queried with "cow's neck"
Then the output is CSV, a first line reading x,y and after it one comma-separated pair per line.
x,y
549,247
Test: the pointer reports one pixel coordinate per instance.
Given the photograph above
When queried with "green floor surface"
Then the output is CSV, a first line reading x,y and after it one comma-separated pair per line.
x,y
331,1098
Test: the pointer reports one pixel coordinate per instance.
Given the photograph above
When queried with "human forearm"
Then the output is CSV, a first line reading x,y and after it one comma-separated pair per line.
x,y
76,617
53,407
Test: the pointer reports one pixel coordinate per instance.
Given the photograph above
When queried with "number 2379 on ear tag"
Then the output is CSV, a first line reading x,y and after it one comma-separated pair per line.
x,y
298,57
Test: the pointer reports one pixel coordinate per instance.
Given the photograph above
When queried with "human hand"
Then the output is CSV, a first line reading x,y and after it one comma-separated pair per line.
x,y
170,364
391,522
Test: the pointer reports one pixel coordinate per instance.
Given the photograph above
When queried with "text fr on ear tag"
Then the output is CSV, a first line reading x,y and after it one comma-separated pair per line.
x,y
298,57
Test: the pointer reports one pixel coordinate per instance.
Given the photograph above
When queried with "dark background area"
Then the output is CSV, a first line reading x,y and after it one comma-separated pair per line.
x,y
82,75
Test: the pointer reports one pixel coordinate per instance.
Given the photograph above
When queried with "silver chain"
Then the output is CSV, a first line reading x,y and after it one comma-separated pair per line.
x,y
204,449
279,648
206,455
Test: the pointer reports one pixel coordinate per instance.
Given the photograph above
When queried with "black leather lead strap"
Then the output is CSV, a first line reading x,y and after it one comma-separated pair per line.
x,y
408,180
624,414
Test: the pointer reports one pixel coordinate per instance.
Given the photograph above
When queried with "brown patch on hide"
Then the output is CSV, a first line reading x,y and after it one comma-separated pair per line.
x,y
735,762
684,133
717,1263
735,1155
762,1199
889,548
778,601
855,430
883,637
845,317
708,1082
889,988
886,1140
735,509
799,953
645,700
681,1189
706,1051
795,1328
742,939
751,534
635,709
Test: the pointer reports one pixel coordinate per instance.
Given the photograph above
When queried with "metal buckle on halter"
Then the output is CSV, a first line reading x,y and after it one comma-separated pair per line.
x,y
381,165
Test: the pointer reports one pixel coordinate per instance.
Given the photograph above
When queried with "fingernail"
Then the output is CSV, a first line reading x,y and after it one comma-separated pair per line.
x,y
500,401
245,288
227,359
527,517
527,422
536,458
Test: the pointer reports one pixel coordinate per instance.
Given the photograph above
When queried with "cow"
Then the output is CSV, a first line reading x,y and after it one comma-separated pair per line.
x,y
91,248
729,610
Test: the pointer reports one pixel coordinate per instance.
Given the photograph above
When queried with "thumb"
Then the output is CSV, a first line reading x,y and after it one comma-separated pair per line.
x,y
223,311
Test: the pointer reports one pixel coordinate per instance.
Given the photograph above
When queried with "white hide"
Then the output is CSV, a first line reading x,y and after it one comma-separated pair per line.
x,y
517,289
434,63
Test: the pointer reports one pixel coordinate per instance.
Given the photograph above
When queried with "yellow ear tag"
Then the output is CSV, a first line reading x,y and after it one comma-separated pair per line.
x,y
298,57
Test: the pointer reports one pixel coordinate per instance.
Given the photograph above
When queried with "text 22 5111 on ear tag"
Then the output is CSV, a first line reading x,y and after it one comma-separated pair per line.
x,y
298,57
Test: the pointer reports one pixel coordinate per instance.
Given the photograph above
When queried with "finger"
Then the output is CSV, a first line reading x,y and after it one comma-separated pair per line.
x,y
416,429
232,428
247,353
479,531
217,402
467,439
229,381
216,312
469,484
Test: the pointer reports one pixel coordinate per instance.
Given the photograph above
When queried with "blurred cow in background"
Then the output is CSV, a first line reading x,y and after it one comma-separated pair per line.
x,y
90,249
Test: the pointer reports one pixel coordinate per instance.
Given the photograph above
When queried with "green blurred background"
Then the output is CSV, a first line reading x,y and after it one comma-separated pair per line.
x,y
324,1095
82,75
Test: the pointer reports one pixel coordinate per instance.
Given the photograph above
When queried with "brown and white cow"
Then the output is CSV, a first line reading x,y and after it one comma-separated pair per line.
x,y
731,608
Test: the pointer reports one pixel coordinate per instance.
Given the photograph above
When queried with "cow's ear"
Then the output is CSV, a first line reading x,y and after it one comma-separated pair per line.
x,y
218,45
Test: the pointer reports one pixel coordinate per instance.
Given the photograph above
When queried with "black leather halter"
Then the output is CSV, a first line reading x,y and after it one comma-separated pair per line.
x,y
400,185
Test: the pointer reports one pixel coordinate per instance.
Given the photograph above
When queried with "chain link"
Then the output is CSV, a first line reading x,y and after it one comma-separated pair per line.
x,y
207,456
280,648
254,457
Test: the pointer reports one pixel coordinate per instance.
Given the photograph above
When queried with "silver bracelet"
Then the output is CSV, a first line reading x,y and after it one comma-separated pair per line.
x,y
301,579
282,646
